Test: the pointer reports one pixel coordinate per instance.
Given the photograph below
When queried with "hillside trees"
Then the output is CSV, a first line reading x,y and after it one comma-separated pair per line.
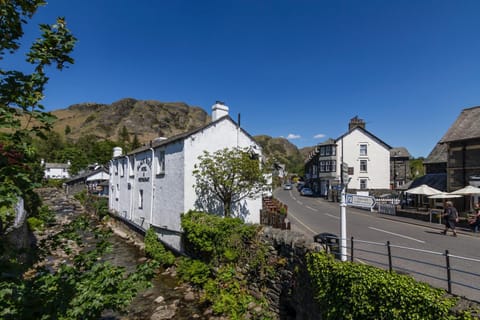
x,y
229,176
21,111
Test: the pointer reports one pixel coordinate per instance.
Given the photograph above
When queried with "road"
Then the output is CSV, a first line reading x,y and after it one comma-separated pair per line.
x,y
425,257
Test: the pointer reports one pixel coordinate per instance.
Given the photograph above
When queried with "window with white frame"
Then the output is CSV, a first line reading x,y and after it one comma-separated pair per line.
x,y
363,184
140,199
363,165
131,166
160,161
122,168
322,166
363,150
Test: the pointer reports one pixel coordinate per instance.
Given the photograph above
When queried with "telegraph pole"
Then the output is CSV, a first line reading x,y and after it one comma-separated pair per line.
x,y
343,209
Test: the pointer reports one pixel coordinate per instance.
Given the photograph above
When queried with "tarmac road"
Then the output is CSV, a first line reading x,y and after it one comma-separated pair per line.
x,y
425,257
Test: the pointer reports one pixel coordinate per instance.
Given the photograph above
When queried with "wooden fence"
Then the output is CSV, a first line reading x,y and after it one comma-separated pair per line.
x,y
274,213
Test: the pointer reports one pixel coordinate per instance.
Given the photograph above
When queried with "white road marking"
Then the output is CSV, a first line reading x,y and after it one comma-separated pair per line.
x,y
396,234
294,198
311,208
300,203
290,214
332,216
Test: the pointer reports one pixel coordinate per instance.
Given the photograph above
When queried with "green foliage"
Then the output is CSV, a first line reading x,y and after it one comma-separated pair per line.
x,y
347,290
222,243
193,271
215,239
416,168
35,224
227,294
81,288
156,250
54,183
21,114
229,175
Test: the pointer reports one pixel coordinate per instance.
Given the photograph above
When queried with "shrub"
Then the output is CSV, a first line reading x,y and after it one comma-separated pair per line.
x,y
156,250
214,239
348,290
193,271
35,224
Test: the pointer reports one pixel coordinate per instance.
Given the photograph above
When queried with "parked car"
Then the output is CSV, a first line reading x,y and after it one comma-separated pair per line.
x,y
306,192
300,185
287,186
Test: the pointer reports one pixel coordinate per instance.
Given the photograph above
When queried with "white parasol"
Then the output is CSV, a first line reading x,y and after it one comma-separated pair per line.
x,y
423,190
467,191
444,195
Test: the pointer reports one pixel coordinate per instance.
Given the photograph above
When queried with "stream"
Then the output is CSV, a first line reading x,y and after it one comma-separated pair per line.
x,y
155,302
166,299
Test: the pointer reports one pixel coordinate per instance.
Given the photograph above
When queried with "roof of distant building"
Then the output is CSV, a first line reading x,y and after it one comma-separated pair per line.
x,y
400,152
438,154
465,127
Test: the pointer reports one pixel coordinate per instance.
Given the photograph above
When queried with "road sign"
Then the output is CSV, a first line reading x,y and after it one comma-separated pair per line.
x,y
344,173
356,200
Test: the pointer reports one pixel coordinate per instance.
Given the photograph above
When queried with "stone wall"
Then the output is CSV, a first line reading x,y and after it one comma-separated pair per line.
x,y
290,294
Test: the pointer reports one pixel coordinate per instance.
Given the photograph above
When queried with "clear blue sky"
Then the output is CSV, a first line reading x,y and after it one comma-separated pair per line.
x,y
291,68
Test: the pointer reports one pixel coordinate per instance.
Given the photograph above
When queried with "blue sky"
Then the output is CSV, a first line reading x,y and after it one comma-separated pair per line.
x,y
298,69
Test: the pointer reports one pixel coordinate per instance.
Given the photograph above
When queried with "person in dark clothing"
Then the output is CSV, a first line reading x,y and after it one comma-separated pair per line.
x,y
451,218
475,221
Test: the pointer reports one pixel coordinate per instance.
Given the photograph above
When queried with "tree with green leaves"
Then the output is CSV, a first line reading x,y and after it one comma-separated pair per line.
x,y
135,143
21,112
229,176
124,135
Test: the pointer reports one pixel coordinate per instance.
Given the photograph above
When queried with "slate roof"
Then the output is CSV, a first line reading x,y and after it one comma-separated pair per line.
x,y
434,180
438,154
368,133
85,174
465,127
52,165
399,152
182,136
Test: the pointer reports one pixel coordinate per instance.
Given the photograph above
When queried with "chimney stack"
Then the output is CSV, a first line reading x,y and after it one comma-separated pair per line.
x,y
356,122
117,152
219,109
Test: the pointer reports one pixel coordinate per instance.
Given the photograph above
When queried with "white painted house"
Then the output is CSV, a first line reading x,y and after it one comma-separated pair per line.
x,y
56,170
367,160
154,185
367,157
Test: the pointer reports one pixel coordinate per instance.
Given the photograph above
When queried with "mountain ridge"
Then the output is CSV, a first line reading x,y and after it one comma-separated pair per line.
x,y
149,119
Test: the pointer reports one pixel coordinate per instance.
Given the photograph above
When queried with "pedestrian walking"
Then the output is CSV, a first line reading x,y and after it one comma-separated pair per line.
x,y
451,218
474,220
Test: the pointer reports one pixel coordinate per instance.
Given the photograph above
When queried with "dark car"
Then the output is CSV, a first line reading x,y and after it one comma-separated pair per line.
x,y
306,192
300,185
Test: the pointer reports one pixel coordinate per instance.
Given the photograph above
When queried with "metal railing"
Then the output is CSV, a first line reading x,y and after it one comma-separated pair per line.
x,y
456,274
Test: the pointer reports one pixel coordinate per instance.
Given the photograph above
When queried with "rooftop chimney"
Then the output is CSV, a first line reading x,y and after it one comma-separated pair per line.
x,y
219,109
117,152
356,122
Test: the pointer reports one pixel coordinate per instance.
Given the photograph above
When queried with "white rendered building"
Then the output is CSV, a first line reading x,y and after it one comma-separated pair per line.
x,y
367,157
154,185
56,170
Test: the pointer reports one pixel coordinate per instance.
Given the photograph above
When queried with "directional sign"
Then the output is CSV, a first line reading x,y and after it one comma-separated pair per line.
x,y
356,200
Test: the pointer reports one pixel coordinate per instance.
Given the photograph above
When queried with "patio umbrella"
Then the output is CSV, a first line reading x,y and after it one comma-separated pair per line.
x,y
423,190
467,191
444,195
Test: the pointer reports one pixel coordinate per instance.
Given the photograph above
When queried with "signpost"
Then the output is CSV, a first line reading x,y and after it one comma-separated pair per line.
x,y
355,200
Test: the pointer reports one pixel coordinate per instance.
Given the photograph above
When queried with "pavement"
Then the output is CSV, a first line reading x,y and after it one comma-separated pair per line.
x,y
434,225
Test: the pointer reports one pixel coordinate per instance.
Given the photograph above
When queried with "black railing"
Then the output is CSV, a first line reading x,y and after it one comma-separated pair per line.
x,y
455,274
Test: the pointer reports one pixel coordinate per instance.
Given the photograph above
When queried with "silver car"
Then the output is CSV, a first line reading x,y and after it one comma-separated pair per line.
x,y
287,186
306,192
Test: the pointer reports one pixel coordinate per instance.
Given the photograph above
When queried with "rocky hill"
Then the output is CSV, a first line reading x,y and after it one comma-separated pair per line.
x,y
149,119
282,151
146,118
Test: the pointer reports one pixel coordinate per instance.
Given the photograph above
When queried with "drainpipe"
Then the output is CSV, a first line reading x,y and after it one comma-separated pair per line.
x,y
132,188
152,175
